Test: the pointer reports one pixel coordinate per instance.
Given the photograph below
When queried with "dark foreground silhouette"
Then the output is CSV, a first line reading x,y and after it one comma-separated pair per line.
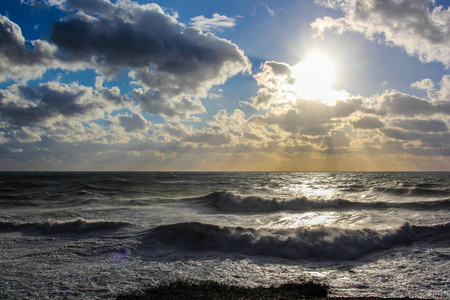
x,y
181,290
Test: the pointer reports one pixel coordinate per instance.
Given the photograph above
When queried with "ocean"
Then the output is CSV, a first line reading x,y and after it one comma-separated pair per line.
x,y
94,235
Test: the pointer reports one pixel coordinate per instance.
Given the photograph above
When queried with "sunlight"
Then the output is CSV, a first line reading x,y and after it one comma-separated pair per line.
x,y
305,220
314,78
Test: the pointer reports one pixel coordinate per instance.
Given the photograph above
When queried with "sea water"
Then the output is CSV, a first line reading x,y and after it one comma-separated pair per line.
x,y
96,235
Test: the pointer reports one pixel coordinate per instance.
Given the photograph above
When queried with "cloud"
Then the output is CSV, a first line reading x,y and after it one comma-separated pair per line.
x,y
175,65
168,104
396,103
441,96
273,79
421,125
409,24
171,68
88,6
278,68
437,141
337,139
24,105
367,122
216,23
264,98
19,61
135,122
273,12
209,137
281,83
310,118
424,84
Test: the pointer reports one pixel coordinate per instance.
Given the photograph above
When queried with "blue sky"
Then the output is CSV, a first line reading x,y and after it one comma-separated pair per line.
x,y
319,85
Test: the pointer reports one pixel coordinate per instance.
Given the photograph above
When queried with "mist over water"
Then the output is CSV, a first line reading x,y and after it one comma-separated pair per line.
x,y
93,235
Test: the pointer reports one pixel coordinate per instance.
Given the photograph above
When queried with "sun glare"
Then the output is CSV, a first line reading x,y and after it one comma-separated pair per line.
x,y
314,78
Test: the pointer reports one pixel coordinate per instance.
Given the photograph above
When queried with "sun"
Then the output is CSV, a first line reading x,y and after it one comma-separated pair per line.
x,y
314,77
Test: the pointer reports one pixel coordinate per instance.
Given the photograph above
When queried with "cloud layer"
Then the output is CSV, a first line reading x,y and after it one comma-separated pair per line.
x,y
169,70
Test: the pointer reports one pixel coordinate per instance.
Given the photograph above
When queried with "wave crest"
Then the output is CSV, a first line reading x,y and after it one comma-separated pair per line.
x,y
55,227
229,202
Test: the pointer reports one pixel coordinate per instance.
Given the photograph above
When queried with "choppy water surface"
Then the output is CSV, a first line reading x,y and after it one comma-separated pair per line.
x,y
93,235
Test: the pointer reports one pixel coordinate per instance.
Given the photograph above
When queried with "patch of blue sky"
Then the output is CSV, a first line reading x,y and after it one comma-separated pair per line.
x,y
35,21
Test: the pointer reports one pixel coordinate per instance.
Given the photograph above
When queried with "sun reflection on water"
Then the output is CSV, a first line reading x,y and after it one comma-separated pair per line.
x,y
311,192
309,219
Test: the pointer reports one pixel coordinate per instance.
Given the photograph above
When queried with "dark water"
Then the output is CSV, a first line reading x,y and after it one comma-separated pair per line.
x,y
93,235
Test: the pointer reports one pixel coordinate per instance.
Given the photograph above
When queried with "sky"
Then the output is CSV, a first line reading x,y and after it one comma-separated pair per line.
x,y
175,85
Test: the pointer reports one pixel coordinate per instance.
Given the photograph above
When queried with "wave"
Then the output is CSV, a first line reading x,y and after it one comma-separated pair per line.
x,y
434,233
418,191
79,226
231,203
301,243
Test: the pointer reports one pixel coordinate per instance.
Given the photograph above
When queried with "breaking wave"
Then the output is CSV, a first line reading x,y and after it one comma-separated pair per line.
x,y
231,203
301,243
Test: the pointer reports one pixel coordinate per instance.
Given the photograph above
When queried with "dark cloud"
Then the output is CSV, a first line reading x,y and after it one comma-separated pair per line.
x,y
114,42
422,125
90,6
367,122
176,65
209,137
279,68
398,134
407,105
315,112
435,141
135,122
337,139
36,105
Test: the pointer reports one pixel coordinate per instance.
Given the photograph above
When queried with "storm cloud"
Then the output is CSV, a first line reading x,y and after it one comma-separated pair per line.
x,y
175,64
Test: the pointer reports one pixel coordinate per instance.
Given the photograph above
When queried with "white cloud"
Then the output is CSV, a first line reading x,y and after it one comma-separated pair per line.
x,y
273,12
216,23
409,24
442,95
424,84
